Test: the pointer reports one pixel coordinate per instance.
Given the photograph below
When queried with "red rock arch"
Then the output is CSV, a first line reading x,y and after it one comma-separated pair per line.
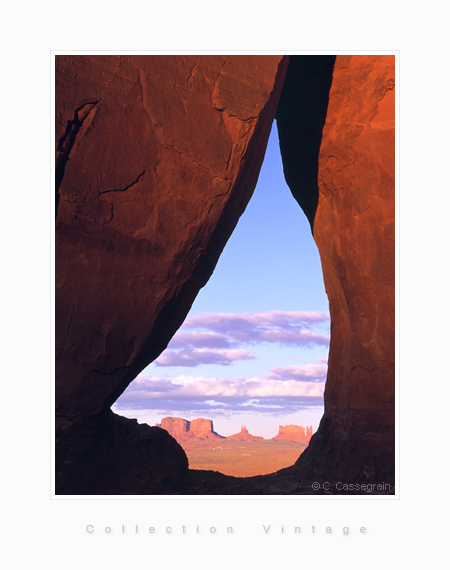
x,y
157,157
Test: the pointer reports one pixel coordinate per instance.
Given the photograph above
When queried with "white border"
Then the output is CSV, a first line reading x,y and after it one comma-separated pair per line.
x,y
37,529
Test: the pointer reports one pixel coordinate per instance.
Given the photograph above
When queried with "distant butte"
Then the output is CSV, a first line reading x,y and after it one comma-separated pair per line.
x,y
244,435
294,433
183,430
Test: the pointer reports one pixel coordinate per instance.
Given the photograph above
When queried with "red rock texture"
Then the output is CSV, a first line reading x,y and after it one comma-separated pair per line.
x,y
161,155
244,435
354,228
157,157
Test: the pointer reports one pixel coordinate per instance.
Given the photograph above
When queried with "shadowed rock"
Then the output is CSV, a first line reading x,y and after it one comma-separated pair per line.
x,y
157,158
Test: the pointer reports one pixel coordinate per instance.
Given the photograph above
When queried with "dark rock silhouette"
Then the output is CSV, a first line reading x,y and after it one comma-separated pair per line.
x,y
157,157
102,455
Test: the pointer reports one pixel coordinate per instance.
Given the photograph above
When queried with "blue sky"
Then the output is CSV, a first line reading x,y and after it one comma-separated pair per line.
x,y
254,346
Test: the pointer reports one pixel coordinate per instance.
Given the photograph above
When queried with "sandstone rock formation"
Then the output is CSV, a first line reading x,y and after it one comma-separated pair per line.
x,y
177,427
244,435
183,430
157,157
294,433
203,429
354,230
162,160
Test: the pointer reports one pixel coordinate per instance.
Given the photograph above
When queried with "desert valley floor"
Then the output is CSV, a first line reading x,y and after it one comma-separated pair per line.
x,y
243,458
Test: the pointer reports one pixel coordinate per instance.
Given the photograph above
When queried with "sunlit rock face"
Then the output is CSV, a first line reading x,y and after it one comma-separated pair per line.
x,y
353,227
156,159
294,433
177,427
203,429
183,430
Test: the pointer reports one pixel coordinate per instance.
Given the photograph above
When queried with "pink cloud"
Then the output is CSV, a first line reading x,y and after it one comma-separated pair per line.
x,y
232,321
293,336
185,339
300,373
186,357
225,330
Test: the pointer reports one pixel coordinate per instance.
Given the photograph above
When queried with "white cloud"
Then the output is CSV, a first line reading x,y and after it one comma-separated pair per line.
x,y
186,387
233,331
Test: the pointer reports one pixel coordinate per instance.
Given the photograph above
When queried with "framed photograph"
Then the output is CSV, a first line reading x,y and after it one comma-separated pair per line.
x,y
157,160
224,383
